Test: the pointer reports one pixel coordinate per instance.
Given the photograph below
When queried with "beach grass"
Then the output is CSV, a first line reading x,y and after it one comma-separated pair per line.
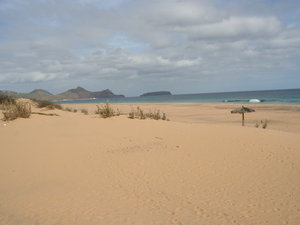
x,y
16,110
84,111
106,111
68,109
264,124
138,113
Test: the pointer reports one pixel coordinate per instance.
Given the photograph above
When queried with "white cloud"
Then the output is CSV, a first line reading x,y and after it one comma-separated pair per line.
x,y
180,41
238,28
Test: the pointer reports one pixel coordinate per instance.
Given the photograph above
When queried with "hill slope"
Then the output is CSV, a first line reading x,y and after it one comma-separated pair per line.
x,y
81,93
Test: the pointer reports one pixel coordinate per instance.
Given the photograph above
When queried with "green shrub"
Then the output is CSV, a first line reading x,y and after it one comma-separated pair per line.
x,y
14,111
47,104
75,110
5,99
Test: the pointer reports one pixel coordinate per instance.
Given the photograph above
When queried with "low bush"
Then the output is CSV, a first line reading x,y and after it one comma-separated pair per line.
x,y
68,109
84,111
47,104
264,124
106,111
131,115
5,99
154,115
138,113
14,111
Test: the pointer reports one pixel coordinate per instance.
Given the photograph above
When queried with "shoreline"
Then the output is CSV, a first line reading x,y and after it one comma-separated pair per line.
x,y
143,102
279,117
282,96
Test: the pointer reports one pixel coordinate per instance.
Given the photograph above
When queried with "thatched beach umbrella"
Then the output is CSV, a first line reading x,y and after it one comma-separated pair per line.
x,y
242,111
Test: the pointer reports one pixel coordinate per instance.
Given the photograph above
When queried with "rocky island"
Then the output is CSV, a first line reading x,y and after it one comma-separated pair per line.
x,y
156,93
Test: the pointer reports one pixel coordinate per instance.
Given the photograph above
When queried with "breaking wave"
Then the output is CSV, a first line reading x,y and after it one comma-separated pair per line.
x,y
253,100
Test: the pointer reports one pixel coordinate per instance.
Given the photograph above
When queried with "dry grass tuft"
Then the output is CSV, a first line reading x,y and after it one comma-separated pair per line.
x,y
84,111
138,113
68,109
264,124
17,110
106,111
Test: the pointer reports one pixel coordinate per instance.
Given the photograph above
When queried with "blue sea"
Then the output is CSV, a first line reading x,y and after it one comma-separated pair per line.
x,y
290,96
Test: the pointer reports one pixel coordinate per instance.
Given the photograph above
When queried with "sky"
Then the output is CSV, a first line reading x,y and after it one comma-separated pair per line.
x,y
137,46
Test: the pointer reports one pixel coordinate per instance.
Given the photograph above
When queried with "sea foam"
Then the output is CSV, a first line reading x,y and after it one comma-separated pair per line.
x,y
254,100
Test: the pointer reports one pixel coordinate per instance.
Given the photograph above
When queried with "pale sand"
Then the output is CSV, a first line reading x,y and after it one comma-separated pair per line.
x,y
279,117
201,167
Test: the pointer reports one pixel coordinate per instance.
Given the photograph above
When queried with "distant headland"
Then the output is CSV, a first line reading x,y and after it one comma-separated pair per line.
x,y
78,93
71,94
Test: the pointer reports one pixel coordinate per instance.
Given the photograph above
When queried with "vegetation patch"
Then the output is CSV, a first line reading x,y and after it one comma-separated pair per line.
x,y
84,111
16,110
106,111
262,123
68,109
47,104
138,113
4,99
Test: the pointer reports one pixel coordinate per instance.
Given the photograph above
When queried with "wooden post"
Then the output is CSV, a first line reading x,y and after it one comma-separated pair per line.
x,y
243,119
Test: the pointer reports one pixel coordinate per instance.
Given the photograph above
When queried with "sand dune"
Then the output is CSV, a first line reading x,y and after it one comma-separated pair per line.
x,y
79,169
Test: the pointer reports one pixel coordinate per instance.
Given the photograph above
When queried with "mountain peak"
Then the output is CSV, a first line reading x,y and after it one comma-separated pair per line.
x,y
41,92
79,88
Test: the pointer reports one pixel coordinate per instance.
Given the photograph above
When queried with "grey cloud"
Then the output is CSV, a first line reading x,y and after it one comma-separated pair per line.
x,y
238,28
187,41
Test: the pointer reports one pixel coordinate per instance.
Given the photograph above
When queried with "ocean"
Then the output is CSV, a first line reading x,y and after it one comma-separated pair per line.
x,y
289,96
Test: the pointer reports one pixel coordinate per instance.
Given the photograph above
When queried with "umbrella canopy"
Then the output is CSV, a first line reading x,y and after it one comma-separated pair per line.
x,y
242,111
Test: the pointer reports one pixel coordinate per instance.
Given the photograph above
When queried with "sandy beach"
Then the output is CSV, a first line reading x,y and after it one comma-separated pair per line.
x,y
201,167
